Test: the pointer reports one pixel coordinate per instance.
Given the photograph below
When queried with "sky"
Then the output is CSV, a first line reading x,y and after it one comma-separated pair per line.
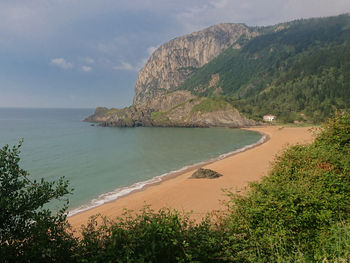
x,y
87,53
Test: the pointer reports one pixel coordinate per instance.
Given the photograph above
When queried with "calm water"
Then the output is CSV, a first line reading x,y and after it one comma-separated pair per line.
x,y
100,160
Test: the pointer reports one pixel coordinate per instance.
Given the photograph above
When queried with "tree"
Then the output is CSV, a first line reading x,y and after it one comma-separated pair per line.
x,y
28,230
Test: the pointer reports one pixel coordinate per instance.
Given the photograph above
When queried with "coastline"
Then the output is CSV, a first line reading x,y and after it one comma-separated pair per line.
x,y
143,185
176,191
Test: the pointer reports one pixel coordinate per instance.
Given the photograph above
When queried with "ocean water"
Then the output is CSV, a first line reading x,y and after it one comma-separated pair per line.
x,y
103,163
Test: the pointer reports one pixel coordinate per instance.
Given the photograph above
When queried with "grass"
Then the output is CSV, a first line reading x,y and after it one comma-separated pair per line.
x,y
211,105
128,121
160,117
113,111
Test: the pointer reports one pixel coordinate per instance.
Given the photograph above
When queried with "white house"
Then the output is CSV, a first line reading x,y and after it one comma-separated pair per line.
x,y
269,117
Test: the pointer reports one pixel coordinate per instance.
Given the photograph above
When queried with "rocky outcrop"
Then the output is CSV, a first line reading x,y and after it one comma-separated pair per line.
x,y
170,65
205,173
188,111
127,117
221,118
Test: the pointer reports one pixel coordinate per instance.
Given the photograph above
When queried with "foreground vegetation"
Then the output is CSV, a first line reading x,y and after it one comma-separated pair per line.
x,y
299,213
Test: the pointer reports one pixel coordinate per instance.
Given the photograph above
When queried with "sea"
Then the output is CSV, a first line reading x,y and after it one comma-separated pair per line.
x,y
104,163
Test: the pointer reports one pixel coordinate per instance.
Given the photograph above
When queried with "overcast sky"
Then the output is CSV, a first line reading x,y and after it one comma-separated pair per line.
x,y
87,53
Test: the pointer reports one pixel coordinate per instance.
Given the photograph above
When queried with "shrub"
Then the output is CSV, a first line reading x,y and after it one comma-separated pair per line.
x,y
165,236
29,232
307,193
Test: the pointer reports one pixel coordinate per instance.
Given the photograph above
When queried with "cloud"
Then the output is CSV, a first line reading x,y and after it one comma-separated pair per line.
x,y
151,49
113,45
86,68
255,12
141,63
131,67
219,3
33,18
89,60
61,63
124,66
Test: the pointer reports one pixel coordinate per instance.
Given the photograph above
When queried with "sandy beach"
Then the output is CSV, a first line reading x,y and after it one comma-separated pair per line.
x,y
204,195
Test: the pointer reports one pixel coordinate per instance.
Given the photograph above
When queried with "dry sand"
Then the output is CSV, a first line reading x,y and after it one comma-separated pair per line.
x,y
203,195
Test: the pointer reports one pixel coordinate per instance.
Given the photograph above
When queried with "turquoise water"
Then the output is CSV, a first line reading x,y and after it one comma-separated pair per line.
x,y
104,163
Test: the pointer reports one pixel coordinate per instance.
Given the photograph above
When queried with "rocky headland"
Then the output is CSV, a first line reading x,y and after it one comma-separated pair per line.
x,y
158,101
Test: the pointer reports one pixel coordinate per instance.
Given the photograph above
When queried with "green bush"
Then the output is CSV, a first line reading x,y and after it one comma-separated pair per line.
x,y
28,231
307,193
165,236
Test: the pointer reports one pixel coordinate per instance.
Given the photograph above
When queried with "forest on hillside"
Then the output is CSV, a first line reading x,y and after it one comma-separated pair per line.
x,y
298,71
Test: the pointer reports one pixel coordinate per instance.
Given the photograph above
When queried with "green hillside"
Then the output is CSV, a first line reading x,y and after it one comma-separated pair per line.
x,y
297,71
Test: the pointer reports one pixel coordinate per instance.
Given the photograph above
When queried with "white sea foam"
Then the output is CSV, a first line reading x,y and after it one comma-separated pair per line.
x,y
120,192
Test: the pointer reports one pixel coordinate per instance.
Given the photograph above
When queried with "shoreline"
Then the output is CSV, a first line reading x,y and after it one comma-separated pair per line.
x,y
143,185
202,196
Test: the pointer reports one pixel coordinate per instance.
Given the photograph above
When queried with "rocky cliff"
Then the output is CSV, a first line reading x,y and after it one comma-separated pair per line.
x,y
170,65
157,100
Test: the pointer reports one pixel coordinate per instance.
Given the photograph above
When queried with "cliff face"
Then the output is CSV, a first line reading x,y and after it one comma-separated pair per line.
x,y
173,62
159,102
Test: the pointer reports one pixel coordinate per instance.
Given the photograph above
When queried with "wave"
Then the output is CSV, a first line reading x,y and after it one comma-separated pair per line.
x,y
123,191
